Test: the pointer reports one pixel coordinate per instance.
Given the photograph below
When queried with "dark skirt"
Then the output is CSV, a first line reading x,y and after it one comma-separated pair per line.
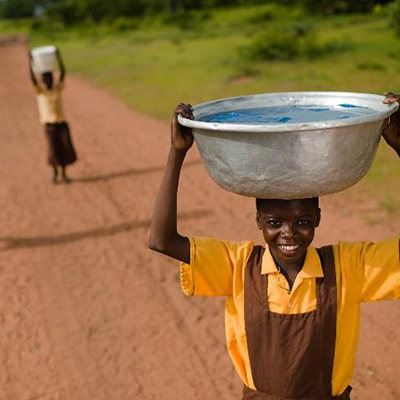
x,y
60,148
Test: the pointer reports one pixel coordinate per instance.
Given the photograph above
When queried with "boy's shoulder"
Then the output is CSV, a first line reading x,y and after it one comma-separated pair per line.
x,y
362,252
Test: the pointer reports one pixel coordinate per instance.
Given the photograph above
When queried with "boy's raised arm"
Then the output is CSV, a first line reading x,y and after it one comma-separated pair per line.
x,y
164,236
392,131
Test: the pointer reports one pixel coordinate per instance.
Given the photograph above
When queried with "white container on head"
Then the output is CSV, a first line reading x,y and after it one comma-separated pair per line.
x,y
44,59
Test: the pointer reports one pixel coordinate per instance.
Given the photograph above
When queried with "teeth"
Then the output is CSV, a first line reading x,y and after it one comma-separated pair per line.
x,y
289,247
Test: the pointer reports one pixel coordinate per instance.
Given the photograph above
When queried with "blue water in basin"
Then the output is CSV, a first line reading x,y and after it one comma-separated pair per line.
x,y
289,114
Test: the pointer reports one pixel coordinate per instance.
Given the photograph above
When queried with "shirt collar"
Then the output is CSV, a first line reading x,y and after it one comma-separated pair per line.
x,y
312,267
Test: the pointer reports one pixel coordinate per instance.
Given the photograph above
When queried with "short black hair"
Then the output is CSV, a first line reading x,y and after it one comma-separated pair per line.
x,y
260,202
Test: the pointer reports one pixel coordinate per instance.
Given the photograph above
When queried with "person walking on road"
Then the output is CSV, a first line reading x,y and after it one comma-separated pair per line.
x,y
61,151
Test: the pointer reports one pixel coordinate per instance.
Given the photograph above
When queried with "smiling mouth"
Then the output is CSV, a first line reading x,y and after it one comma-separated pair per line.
x,y
289,247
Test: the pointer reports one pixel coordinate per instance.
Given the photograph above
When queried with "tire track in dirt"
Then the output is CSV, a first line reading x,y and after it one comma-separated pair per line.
x,y
87,310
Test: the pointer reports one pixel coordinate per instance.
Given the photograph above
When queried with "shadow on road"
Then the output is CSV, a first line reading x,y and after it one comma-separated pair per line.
x,y
127,172
11,243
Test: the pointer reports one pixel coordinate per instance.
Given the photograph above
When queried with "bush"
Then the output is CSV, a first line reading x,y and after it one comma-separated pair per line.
x,y
282,44
274,11
262,17
330,7
187,20
123,24
299,40
16,9
65,12
370,66
47,27
393,11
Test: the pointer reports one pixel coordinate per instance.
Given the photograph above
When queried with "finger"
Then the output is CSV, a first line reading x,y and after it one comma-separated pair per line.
x,y
186,107
187,111
179,108
390,100
183,113
177,111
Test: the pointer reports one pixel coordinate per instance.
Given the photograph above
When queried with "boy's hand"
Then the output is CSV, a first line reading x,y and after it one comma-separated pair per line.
x,y
181,136
391,132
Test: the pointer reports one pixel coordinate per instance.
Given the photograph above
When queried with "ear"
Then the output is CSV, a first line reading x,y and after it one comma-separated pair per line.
x,y
317,222
258,221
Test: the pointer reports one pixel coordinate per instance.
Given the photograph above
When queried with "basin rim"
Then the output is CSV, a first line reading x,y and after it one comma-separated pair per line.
x,y
292,127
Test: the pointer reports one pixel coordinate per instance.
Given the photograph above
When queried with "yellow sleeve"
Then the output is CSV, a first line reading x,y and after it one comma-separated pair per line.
x,y
370,271
212,264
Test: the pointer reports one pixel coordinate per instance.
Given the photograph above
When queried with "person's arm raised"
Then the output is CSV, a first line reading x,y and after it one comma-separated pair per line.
x,y
392,131
61,64
31,73
164,237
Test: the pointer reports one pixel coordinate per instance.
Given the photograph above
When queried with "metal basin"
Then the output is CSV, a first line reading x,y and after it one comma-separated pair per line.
x,y
291,160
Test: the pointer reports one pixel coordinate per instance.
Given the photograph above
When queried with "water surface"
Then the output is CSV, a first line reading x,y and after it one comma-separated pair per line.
x,y
289,114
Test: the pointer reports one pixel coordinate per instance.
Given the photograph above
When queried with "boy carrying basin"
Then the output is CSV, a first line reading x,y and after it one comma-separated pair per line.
x,y
292,311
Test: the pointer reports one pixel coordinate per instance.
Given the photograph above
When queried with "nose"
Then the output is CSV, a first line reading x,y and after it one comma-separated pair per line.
x,y
288,231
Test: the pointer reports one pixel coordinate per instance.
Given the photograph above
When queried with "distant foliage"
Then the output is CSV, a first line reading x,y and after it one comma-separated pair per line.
x,y
393,11
330,7
370,66
298,40
72,11
269,13
280,45
14,9
186,19
123,24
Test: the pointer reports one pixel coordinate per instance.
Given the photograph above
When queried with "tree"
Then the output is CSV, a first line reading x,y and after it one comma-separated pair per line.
x,y
329,7
14,9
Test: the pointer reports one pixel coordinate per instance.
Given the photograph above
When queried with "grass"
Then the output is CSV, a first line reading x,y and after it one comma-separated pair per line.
x,y
157,65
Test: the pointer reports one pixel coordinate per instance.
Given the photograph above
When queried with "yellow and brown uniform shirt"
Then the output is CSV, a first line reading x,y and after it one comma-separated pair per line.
x,y
365,272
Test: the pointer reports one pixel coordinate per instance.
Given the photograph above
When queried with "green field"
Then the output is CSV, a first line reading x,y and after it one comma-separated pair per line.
x,y
156,65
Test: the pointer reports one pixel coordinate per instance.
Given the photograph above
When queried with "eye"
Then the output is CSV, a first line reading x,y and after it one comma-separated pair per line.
x,y
274,223
303,222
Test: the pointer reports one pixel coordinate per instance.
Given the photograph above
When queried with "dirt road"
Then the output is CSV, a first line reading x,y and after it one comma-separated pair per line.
x,y
87,312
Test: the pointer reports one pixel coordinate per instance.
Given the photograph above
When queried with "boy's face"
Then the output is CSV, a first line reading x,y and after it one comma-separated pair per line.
x,y
288,227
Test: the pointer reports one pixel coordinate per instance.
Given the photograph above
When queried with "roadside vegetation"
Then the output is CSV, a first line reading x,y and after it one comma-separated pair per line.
x,y
155,61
